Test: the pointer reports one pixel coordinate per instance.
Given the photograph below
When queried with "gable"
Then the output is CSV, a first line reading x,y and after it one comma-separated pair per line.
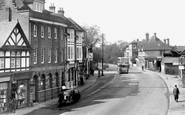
x,y
16,39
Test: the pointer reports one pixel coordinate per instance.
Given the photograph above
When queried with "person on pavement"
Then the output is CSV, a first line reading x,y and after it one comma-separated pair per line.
x,y
176,93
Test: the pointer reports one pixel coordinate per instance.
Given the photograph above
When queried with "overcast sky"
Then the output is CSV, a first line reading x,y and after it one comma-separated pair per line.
x,y
129,19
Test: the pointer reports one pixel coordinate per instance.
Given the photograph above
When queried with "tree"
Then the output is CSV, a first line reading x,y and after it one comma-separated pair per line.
x,y
92,36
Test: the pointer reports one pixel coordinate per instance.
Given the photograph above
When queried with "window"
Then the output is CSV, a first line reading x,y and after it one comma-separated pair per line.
x,y
55,33
77,52
49,55
42,31
68,52
12,59
1,63
62,55
35,56
56,53
35,30
49,32
18,60
42,56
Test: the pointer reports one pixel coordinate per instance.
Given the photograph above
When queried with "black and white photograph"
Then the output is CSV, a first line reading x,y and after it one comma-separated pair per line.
x,y
92,57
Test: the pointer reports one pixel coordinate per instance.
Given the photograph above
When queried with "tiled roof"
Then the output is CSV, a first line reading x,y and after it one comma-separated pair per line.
x,y
76,25
45,15
5,32
153,44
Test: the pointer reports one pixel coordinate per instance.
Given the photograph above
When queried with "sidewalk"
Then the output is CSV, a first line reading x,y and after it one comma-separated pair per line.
x,y
172,80
88,83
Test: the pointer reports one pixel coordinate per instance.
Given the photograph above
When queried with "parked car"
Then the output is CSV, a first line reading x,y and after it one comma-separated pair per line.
x,y
68,96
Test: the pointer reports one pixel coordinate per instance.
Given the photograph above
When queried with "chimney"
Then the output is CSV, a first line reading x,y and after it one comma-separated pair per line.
x,y
155,35
52,8
165,41
168,42
147,36
61,11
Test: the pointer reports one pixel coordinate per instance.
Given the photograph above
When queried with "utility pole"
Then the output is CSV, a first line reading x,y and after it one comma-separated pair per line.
x,y
102,53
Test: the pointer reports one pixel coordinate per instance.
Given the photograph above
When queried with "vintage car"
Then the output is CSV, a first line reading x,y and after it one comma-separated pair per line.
x,y
68,96
123,68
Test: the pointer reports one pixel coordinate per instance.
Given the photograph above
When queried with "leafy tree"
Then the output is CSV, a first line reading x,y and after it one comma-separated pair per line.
x,y
92,36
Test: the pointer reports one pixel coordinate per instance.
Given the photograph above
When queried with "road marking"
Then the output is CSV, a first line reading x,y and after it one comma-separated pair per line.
x,y
103,86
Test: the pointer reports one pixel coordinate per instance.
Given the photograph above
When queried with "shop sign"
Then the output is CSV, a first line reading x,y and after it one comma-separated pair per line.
x,y
175,63
3,79
181,67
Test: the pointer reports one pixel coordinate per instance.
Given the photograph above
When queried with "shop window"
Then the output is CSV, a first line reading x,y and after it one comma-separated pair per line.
x,y
50,80
42,83
3,96
57,79
22,92
47,82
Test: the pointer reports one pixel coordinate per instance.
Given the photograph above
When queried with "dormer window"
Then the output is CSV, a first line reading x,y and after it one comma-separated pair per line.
x,y
37,6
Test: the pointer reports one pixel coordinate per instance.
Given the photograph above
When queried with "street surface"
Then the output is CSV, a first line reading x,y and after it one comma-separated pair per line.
x,y
136,93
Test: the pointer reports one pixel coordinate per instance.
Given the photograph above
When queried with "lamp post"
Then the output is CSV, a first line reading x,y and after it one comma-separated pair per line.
x,y
102,53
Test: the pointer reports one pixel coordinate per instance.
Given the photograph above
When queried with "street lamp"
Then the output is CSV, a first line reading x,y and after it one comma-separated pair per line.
x,y
102,53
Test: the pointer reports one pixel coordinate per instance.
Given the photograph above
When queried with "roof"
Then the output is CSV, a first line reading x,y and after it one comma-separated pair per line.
x,y
79,28
153,44
45,15
5,32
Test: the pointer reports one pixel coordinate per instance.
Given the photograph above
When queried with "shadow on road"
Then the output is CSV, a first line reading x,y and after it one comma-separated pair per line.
x,y
116,90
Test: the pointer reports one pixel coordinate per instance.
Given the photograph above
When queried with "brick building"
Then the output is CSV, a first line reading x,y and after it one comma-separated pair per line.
x,y
55,42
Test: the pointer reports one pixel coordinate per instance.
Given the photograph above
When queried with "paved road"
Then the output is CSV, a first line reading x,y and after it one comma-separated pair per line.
x,y
136,93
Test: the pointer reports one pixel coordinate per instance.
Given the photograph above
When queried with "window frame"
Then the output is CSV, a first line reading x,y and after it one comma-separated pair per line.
x,y
42,31
42,56
35,30
49,32
55,33
35,56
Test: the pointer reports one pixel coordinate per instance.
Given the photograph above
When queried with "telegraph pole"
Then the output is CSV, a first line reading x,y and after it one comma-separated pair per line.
x,y
102,53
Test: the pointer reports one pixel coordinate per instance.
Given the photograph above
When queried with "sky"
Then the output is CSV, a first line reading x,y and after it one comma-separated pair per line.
x,y
129,20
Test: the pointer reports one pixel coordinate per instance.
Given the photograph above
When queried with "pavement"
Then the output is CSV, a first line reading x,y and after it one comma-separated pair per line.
x,y
22,111
175,108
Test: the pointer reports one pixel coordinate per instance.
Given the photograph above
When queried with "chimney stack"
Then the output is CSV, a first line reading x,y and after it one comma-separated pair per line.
x,y
155,35
52,8
168,42
147,36
61,11
165,41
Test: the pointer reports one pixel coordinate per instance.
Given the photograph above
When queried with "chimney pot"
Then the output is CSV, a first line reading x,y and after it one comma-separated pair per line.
x,y
147,36
61,11
52,8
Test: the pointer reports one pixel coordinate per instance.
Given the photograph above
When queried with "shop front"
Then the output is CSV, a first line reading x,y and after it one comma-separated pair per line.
x,y
4,92
20,88
46,85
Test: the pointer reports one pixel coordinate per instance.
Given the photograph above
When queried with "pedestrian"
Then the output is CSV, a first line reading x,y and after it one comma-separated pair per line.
x,y
176,93
142,67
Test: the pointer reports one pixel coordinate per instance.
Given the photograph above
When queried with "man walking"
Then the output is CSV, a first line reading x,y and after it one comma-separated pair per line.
x,y
176,93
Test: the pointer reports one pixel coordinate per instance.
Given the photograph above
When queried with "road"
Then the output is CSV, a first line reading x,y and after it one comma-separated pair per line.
x,y
136,93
